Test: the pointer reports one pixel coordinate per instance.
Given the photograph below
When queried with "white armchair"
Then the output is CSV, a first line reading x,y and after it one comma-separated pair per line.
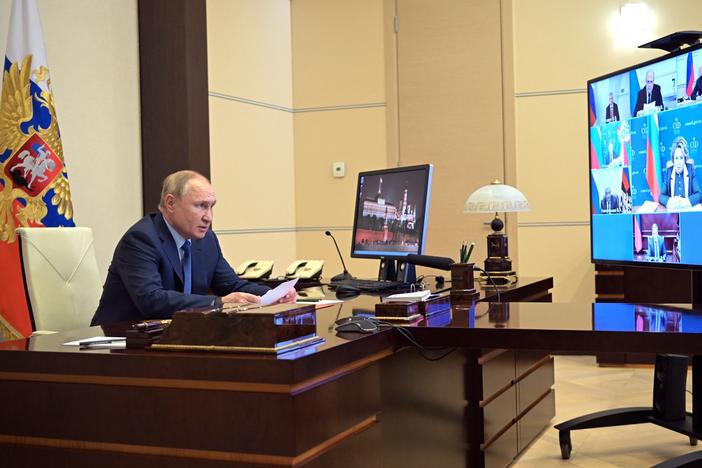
x,y
61,276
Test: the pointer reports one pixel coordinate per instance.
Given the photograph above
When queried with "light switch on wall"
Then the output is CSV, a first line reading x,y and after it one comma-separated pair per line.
x,y
338,169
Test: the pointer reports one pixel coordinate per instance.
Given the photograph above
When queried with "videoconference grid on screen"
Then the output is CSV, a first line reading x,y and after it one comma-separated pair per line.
x,y
392,211
645,128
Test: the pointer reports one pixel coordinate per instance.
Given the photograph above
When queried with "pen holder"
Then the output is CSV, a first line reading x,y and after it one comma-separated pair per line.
x,y
462,277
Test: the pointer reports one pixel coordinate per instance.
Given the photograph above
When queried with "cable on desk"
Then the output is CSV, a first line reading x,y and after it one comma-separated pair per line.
x,y
497,291
422,350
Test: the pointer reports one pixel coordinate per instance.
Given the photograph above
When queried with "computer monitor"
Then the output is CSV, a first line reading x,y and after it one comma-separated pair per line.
x,y
392,212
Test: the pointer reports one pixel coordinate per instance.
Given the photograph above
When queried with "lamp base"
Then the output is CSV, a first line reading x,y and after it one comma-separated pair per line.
x,y
499,278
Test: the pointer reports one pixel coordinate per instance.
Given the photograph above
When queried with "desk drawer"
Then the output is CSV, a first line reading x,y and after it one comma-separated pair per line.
x,y
499,413
497,367
534,384
502,452
536,419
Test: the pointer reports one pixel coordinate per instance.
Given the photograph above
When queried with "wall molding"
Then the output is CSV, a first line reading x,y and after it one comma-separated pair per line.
x,y
292,110
286,229
279,230
555,92
530,224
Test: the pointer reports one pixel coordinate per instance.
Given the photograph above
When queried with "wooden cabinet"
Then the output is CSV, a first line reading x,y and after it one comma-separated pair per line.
x,y
615,283
471,408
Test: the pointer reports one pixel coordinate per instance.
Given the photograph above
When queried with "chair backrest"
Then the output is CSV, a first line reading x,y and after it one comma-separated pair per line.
x,y
61,276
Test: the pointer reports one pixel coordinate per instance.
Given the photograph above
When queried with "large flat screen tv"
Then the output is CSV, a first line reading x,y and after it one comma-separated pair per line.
x,y
645,129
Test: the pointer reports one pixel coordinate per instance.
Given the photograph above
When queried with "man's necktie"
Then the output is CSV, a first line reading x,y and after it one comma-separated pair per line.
x,y
187,268
655,246
648,98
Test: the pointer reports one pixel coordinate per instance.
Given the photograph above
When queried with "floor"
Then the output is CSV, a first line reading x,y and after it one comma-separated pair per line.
x,y
584,387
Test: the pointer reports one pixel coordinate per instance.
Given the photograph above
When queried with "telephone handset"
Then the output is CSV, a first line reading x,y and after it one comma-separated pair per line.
x,y
255,269
305,269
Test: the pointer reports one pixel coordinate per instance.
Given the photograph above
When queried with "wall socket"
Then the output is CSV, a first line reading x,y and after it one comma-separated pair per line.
x,y
338,169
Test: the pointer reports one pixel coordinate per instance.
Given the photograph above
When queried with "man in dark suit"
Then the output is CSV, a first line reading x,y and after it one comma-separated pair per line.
x,y
609,203
172,260
680,188
612,111
656,246
651,93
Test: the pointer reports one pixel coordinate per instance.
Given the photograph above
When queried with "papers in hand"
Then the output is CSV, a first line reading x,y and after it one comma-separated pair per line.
x,y
274,295
408,297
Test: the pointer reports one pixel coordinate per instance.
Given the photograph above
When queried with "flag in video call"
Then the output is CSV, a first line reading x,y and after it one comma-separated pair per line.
x,y
595,195
624,153
690,75
595,146
34,189
593,109
633,91
638,238
653,158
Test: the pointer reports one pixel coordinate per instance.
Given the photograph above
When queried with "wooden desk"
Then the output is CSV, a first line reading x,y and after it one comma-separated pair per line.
x,y
340,403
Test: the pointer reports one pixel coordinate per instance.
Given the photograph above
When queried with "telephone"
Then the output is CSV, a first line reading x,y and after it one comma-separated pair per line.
x,y
255,269
305,269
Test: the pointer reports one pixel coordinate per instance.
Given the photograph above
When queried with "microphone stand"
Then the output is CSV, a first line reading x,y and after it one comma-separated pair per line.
x,y
341,276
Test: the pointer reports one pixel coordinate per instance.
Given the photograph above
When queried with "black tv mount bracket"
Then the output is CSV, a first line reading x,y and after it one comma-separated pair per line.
x,y
675,41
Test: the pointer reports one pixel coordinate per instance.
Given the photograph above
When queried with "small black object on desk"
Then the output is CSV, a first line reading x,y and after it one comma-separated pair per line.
x,y
356,324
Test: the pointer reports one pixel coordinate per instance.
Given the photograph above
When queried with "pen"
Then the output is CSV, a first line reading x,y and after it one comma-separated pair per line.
x,y
470,251
88,343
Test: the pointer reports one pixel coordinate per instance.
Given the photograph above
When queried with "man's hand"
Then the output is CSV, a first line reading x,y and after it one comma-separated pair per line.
x,y
240,297
289,298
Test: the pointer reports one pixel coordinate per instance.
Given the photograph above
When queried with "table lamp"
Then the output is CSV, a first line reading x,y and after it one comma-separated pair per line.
x,y
494,198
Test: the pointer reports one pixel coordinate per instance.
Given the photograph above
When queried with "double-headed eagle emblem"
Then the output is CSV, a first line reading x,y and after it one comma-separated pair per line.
x,y
35,164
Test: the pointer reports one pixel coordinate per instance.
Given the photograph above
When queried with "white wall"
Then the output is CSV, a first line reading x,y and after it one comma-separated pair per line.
x,y
93,54
249,59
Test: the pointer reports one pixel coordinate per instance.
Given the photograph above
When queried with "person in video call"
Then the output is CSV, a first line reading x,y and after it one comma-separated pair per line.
x,y
609,203
612,111
680,188
697,90
651,93
611,159
656,246
171,260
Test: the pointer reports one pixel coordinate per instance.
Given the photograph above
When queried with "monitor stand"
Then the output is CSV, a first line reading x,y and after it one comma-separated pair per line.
x,y
696,287
396,270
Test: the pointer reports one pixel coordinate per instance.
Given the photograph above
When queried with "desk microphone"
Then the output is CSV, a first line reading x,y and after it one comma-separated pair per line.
x,y
341,276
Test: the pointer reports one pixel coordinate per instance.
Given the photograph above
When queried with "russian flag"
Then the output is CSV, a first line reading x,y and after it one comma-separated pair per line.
x,y
625,181
26,82
690,75
653,158
634,89
591,101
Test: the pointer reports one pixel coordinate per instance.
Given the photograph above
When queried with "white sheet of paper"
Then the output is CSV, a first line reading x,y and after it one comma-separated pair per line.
x,y
411,296
648,207
320,302
115,340
274,295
